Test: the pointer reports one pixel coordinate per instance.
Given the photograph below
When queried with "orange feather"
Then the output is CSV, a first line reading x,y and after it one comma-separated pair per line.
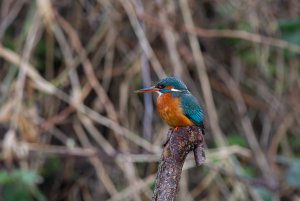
x,y
170,111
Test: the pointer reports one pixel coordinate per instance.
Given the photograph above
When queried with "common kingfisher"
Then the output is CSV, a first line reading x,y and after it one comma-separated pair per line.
x,y
175,103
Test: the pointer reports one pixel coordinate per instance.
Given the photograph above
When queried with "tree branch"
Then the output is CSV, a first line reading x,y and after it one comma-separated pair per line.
x,y
182,141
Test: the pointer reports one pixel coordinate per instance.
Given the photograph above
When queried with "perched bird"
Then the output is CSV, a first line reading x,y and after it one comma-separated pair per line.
x,y
175,103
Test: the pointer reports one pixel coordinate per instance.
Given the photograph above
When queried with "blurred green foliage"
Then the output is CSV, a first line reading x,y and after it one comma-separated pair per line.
x,y
20,185
52,165
265,194
236,139
293,173
290,31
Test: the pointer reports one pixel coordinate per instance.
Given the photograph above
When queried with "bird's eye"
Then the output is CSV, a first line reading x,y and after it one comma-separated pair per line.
x,y
160,86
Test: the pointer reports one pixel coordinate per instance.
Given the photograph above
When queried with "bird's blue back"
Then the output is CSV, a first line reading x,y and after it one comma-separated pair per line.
x,y
191,108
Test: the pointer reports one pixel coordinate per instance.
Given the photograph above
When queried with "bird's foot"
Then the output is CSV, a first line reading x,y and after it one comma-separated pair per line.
x,y
176,128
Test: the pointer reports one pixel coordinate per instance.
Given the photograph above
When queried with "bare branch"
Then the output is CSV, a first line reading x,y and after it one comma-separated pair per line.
x,y
181,142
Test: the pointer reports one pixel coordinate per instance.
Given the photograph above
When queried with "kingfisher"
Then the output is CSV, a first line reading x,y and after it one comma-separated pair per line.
x,y
175,103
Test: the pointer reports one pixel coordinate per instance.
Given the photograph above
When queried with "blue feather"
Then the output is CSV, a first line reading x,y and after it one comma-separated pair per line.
x,y
192,109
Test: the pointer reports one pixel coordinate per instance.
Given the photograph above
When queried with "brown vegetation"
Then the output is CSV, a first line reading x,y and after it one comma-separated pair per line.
x,y
71,127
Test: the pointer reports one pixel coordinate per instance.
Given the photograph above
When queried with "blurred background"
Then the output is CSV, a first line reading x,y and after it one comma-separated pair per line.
x,y
71,127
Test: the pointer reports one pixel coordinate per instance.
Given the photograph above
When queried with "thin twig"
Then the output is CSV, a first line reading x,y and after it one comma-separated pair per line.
x,y
58,150
243,35
170,36
145,68
142,38
97,163
233,34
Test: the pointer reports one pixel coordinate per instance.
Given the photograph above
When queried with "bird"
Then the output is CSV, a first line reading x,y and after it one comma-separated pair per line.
x,y
175,103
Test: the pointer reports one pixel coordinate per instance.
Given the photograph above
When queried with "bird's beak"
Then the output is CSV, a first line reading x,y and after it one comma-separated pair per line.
x,y
149,89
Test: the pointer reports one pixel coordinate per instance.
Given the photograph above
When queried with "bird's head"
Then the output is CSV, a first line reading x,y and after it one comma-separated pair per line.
x,y
166,85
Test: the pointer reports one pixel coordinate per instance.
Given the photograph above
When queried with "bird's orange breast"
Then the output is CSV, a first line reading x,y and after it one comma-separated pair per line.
x,y
170,110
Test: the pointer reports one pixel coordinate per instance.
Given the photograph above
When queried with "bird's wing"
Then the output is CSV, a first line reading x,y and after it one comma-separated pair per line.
x,y
192,109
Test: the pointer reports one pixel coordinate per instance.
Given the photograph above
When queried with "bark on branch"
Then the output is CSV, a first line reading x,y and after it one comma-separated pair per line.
x,y
181,141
